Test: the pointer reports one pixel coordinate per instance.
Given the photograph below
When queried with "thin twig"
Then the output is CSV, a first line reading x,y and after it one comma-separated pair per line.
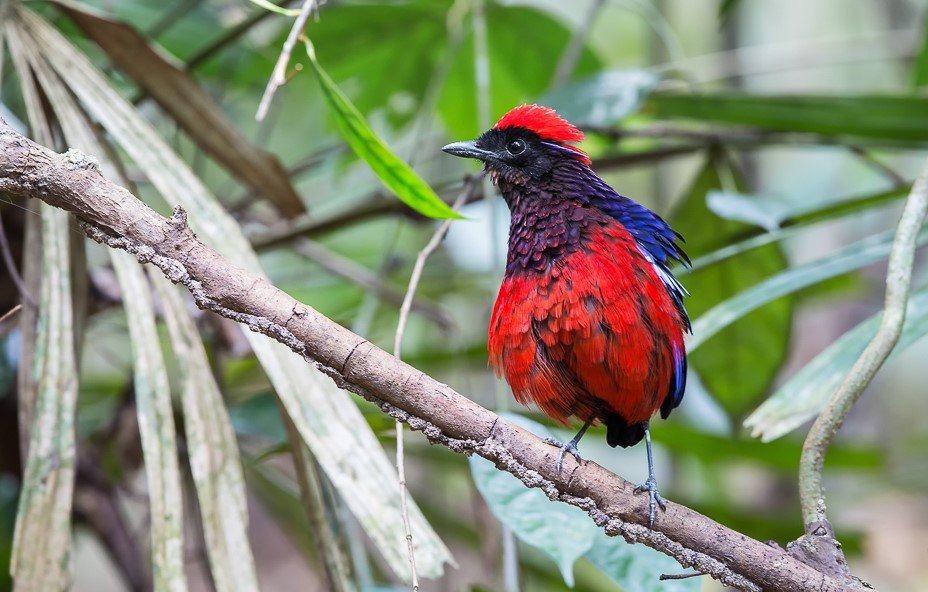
x,y
279,75
414,278
682,576
879,166
11,266
11,312
571,55
898,279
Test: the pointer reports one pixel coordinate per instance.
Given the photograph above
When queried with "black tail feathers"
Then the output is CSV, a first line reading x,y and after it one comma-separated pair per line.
x,y
620,433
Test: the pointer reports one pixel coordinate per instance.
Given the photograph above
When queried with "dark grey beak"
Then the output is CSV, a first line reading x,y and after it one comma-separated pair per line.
x,y
467,150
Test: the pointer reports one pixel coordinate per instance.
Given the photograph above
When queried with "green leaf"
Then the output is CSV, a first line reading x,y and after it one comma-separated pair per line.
x,y
523,46
605,97
896,118
565,533
395,174
726,8
411,38
781,456
740,363
562,531
636,567
809,390
799,221
920,72
857,255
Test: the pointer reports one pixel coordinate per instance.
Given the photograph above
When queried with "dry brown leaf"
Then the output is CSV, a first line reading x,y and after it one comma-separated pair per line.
x,y
182,97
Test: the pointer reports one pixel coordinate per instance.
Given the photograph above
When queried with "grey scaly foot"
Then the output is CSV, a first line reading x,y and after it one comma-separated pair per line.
x,y
651,484
655,498
565,447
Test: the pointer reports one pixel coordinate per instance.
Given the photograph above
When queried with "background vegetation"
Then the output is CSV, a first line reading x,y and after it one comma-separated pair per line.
x,y
779,138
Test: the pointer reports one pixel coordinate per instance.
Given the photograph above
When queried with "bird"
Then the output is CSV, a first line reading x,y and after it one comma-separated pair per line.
x,y
589,321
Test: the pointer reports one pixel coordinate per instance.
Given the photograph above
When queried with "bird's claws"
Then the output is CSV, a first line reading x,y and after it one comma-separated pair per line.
x,y
655,498
570,447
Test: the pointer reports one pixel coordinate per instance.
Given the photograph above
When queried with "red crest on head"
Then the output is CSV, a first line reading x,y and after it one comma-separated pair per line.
x,y
545,122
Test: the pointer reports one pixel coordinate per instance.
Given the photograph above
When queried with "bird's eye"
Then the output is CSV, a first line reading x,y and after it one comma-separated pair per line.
x,y
516,147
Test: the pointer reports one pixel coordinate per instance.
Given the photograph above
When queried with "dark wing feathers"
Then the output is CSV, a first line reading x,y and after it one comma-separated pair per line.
x,y
661,245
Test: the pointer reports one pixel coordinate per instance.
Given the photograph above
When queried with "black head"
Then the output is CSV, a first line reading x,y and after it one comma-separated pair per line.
x,y
529,139
516,148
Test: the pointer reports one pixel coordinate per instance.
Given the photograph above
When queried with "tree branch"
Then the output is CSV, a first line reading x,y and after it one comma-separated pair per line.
x,y
826,426
113,216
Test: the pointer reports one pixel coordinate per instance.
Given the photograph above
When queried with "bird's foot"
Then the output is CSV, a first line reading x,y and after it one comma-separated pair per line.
x,y
565,447
655,498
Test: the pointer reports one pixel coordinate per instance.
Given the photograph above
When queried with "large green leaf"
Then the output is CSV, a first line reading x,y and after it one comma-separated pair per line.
x,y
896,118
636,567
809,390
410,38
566,533
523,45
741,362
781,456
799,221
395,174
562,531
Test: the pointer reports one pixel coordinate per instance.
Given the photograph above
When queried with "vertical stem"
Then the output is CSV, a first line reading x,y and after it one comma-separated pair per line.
x,y
898,279
571,55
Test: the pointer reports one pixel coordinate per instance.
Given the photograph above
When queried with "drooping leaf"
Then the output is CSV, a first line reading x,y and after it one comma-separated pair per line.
x,y
605,97
809,390
42,539
391,169
212,449
900,119
739,364
327,419
152,393
156,426
189,105
42,543
565,533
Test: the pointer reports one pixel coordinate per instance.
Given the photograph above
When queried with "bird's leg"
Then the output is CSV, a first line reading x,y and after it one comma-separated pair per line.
x,y
571,446
651,484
